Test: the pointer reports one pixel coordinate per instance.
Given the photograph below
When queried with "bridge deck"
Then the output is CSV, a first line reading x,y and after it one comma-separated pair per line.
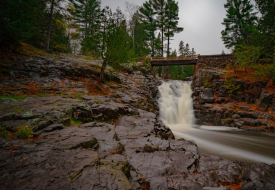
x,y
169,61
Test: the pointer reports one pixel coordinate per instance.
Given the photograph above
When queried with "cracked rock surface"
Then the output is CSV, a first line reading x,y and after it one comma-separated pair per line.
x,y
118,144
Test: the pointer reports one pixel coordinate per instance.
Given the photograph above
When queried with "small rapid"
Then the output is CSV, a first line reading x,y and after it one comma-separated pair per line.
x,y
176,111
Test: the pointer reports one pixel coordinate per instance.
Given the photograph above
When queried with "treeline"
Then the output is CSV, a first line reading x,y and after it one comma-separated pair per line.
x,y
250,32
84,27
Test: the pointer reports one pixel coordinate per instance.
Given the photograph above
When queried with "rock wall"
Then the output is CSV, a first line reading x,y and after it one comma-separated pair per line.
x,y
215,61
231,102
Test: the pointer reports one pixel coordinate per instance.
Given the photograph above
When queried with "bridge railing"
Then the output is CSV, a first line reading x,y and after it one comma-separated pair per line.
x,y
188,57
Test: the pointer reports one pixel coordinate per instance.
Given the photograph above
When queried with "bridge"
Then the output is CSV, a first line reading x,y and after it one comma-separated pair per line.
x,y
169,61
214,61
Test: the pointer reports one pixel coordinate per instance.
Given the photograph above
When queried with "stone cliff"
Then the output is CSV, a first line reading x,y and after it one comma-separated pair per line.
x,y
90,136
232,101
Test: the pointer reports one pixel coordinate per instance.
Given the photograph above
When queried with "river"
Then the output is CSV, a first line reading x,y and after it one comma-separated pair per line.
x,y
176,111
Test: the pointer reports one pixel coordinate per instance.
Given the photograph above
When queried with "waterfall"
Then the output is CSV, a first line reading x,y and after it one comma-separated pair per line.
x,y
175,103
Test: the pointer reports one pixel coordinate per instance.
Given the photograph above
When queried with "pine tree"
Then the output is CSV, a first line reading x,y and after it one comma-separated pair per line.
x,y
147,14
54,5
115,43
174,53
193,52
87,14
187,50
21,21
181,48
267,26
158,45
239,24
159,6
223,52
171,21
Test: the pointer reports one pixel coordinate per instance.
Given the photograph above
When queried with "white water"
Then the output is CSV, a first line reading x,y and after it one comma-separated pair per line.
x,y
176,105
176,111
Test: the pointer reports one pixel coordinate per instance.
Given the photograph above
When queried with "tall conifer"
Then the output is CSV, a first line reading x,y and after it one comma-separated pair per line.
x,y
239,22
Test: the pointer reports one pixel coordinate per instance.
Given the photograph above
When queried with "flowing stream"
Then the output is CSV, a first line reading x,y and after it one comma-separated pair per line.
x,y
176,111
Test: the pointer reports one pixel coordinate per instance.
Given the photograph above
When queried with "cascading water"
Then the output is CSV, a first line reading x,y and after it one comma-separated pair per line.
x,y
175,102
176,111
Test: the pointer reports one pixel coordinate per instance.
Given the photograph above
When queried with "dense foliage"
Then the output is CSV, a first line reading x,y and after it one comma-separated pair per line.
x,y
84,27
252,38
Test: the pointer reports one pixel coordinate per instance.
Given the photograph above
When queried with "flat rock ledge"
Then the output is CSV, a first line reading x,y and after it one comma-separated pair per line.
x,y
139,153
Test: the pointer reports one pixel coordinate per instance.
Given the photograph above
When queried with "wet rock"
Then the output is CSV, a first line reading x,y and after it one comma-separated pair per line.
x,y
265,100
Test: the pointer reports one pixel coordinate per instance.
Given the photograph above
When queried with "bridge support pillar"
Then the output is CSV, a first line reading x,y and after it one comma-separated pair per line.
x,y
154,72
167,73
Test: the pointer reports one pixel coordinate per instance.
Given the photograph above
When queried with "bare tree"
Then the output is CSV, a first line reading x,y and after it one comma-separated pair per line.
x,y
133,14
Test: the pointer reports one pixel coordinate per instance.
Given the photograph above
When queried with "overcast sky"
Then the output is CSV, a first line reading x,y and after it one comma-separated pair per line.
x,y
201,20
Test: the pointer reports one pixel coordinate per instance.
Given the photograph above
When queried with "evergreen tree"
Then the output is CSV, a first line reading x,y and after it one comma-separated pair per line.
x,y
193,52
239,24
21,21
142,48
174,53
158,45
60,41
181,48
223,52
147,15
171,21
159,6
187,50
54,5
87,14
267,26
115,43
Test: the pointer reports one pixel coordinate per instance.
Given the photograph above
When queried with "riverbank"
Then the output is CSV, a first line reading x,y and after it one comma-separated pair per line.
x,y
87,136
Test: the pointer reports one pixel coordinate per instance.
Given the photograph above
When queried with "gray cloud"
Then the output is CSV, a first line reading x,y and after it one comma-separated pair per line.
x,y
201,20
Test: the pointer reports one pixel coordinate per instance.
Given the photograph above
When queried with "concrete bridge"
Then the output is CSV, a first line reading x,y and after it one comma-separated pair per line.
x,y
214,61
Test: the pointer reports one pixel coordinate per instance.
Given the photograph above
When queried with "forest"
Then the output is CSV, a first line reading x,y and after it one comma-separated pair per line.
x,y
85,27
121,37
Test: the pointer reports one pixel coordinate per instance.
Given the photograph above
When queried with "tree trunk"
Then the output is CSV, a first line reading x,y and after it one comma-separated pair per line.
x,y
153,49
49,27
168,45
102,71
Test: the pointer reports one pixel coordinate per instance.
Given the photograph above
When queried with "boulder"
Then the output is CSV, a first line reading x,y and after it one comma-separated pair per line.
x,y
206,74
265,100
207,96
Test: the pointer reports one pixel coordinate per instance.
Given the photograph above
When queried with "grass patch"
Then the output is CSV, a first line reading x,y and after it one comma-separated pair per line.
x,y
88,58
28,50
4,132
24,132
77,96
13,97
97,100
76,122
43,95
18,109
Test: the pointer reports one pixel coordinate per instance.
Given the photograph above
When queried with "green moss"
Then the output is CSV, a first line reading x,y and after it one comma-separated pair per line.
x,y
4,132
43,95
13,97
97,100
24,132
18,109
76,122
207,83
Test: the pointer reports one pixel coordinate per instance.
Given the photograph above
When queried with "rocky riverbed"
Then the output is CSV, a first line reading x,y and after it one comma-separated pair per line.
x,y
89,137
